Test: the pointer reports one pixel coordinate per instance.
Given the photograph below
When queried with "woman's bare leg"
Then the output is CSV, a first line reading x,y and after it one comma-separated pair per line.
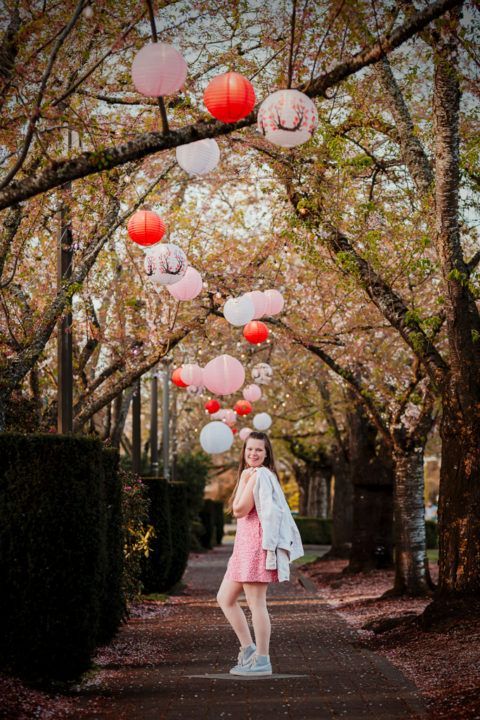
x,y
256,595
227,598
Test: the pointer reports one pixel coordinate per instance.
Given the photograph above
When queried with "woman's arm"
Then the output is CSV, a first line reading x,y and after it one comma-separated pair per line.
x,y
244,500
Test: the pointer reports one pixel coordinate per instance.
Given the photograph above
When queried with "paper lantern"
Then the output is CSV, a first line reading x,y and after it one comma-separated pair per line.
x,y
229,97
244,433
230,417
212,406
216,437
242,407
165,264
252,393
158,69
223,375
146,227
255,332
287,118
262,421
262,373
259,301
234,430
239,311
176,378
191,374
275,302
198,158
188,287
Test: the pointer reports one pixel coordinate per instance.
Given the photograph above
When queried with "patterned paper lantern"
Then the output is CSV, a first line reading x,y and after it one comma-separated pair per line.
x,y
176,378
262,421
196,390
188,287
239,311
275,302
287,118
252,393
212,406
158,69
146,228
244,433
262,373
216,437
229,97
165,264
224,375
259,302
242,407
191,374
198,158
255,332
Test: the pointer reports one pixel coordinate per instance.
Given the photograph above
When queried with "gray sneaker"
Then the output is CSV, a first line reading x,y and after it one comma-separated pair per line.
x,y
244,657
258,666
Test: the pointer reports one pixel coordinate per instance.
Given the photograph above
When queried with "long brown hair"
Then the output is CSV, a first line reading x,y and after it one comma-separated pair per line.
x,y
269,461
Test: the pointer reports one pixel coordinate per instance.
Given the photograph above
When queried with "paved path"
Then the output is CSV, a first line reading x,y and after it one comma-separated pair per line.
x,y
319,672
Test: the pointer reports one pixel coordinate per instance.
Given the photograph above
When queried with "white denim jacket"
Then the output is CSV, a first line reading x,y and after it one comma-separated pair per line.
x,y
280,533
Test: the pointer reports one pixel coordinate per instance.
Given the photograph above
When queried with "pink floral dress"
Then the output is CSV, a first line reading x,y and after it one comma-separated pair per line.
x,y
247,562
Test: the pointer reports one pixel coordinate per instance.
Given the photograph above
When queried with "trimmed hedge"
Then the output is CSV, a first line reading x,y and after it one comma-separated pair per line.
x,y
431,528
156,567
180,531
53,552
314,531
113,607
208,537
219,522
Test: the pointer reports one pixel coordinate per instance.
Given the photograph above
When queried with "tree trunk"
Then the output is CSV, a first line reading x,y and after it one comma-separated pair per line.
x,y
317,496
342,510
302,477
411,565
372,479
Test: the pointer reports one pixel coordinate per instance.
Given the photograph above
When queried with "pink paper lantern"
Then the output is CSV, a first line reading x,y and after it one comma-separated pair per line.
x,y
259,301
252,393
189,286
158,69
192,374
223,375
275,302
244,433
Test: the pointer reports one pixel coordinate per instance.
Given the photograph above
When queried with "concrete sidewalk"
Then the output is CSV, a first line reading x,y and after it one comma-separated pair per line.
x,y
318,670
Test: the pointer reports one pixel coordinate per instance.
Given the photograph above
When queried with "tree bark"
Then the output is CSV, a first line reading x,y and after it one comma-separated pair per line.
x,y
318,494
411,565
342,513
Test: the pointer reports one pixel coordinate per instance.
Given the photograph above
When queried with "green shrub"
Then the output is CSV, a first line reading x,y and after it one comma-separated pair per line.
x,y
314,531
136,531
219,532
180,529
113,606
431,529
156,566
208,538
193,469
53,557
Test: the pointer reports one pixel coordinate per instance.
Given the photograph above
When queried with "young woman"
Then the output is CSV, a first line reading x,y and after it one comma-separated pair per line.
x,y
266,541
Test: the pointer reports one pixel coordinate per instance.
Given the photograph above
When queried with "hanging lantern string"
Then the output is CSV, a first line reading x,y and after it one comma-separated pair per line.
x,y
292,42
161,104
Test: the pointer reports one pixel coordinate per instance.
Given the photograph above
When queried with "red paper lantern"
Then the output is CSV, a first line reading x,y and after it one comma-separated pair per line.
x,y
229,97
146,228
234,430
212,406
255,332
242,407
176,378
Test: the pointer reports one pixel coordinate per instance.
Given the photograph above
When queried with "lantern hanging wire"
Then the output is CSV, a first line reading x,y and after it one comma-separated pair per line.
x,y
161,104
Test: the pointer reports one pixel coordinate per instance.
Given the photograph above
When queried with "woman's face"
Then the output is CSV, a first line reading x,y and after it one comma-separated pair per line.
x,y
255,452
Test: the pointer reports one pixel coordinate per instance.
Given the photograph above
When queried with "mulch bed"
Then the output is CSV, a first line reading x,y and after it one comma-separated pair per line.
x,y
444,663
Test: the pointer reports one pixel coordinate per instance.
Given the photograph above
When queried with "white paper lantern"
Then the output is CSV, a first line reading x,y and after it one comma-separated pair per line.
x,y
216,437
191,374
239,311
165,264
287,118
252,393
262,373
158,69
275,302
262,421
198,158
244,433
259,302
188,287
230,417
